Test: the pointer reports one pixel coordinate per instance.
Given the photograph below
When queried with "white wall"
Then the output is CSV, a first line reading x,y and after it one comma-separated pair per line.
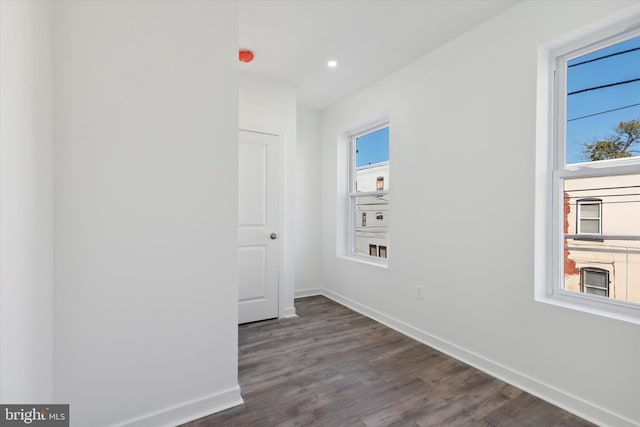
x,y
308,185
145,304
26,202
269,106
463,138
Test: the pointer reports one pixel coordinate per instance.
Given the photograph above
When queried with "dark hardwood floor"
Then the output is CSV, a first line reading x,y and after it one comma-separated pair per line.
x,y
335,367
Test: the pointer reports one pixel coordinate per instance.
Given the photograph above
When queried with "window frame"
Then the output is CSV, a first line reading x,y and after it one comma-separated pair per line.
x,y
552,170
353,194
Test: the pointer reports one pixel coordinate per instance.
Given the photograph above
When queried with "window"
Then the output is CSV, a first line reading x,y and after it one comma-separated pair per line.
x,y
594,281
589,216
369,191
382,251
588,153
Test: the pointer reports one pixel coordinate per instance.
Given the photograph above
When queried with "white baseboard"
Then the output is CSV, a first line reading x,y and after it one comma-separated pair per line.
x,y
188,411
288,312
301,293
564,400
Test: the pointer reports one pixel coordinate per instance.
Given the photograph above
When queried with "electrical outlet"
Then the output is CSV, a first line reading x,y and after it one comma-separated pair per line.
x,y
419,292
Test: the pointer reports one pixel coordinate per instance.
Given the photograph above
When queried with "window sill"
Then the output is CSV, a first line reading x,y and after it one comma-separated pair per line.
x,y
591,305
588,238
376,262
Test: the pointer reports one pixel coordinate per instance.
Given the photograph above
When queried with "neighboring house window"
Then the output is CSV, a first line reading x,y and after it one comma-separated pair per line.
x,y
588,154
594,281
369,191
589,216
382,251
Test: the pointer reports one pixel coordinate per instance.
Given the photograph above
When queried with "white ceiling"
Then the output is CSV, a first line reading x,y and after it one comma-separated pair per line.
x,y
293,39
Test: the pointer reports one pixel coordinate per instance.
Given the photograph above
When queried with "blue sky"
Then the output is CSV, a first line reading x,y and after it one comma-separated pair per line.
x,y
373,148
601,72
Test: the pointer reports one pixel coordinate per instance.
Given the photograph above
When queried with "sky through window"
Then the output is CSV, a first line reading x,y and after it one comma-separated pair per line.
x,y
603,89
372,148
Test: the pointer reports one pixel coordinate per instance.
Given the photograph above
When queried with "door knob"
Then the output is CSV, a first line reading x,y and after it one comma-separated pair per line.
x,y
273,236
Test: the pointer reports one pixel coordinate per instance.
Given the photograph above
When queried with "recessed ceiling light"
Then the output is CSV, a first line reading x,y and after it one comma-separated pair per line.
x,y
332,63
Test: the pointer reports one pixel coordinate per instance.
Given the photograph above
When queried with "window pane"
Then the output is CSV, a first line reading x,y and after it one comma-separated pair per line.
x,y
590,226
595,291
589,211
374,233
383,252
372,148
595,278
372,161
618,252
603,103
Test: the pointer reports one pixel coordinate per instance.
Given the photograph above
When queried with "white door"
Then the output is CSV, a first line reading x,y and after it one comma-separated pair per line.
x,y
258,239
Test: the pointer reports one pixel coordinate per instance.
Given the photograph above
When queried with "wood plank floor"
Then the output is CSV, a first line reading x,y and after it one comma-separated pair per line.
x,y
335,367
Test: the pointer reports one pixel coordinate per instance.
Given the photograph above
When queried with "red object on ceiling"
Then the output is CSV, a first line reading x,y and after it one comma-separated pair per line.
x,y
245,55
